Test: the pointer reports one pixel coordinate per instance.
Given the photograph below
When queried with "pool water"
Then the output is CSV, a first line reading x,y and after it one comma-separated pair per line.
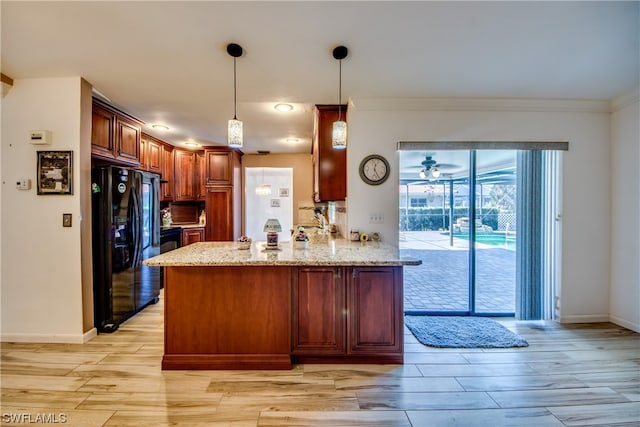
x,y
499,240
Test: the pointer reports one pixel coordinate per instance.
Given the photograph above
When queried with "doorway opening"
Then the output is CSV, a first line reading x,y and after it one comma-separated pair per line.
x,y
268,194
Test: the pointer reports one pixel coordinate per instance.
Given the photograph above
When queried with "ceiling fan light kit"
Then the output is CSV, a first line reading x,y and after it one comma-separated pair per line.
x,y
234,129
339,134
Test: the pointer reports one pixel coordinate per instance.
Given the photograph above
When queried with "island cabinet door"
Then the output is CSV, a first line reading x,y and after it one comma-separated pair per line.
x,y
375,310
318,317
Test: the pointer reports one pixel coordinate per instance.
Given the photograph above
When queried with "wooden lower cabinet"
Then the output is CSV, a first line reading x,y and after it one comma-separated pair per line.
x,y
192,235
376,314
346,314
318,322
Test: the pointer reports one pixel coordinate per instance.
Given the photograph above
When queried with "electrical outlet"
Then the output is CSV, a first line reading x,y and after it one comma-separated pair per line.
x,y
376,218
66,220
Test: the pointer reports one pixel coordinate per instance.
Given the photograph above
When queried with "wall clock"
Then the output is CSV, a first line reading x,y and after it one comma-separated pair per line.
x,y
374,169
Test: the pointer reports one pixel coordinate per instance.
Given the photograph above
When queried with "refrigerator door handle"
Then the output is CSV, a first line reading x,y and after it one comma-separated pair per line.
x,y
136,228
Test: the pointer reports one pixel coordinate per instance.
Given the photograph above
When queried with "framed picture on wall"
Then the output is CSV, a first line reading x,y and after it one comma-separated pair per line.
x,y
55,172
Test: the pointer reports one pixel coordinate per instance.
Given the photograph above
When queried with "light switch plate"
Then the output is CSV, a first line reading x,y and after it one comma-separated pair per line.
x,y
66,220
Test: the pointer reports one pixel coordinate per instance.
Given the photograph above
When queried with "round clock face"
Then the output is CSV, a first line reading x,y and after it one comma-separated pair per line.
x,y
374,169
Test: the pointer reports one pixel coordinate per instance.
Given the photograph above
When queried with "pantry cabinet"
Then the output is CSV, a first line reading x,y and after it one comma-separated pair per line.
x,y
222,169
347,313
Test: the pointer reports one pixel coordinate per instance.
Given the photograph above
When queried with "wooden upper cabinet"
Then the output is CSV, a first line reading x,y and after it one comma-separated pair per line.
x,y
218,167
102,126
115,136
151,154
329,164
154,156
184,175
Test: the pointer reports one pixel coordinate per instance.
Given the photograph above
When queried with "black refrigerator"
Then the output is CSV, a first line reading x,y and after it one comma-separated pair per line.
x,y
126,231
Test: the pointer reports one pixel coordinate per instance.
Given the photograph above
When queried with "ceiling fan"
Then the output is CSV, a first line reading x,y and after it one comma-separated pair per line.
x,y
430,169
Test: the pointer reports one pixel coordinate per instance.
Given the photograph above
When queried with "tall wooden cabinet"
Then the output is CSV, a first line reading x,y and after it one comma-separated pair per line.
x,y
223,195
166,183
329,164
347,313
115,135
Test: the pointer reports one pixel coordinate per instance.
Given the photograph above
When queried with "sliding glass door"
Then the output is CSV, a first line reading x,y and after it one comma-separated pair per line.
x,y
467,269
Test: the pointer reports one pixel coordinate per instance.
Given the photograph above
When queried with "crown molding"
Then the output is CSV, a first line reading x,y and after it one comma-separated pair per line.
x,y
481,104
623,101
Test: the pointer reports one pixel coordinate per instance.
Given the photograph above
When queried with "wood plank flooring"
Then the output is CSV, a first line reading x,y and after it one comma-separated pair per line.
x,y
570,375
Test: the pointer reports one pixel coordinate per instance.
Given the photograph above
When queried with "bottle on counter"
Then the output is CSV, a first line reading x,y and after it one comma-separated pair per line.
x,y
203,218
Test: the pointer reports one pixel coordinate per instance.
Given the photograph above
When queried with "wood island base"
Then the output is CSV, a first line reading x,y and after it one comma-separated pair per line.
x,y
268,317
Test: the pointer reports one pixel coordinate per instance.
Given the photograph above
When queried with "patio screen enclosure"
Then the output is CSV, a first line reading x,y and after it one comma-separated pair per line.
x,y
504,265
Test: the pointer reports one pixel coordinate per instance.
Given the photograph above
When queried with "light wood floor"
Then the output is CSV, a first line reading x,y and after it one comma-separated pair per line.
x,y
572,375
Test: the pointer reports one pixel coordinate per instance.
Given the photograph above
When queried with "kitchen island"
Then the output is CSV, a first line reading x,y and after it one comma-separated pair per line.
x,y
334,302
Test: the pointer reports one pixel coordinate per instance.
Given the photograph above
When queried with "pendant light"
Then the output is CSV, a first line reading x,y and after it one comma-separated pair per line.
x,y
234,131
339,134
263,189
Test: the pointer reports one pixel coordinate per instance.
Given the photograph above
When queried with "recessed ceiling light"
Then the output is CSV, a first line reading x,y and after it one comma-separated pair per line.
x,y
284,108
160,127
292,140
192,144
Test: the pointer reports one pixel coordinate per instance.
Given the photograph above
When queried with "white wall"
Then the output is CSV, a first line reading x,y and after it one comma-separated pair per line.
x,y
376,126
625,213
42,286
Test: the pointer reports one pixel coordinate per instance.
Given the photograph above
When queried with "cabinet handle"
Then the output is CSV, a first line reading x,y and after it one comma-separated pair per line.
x,y
354,273
339,273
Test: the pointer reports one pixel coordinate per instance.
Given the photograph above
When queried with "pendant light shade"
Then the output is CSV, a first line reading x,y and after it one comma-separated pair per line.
x,y
339,134
234,129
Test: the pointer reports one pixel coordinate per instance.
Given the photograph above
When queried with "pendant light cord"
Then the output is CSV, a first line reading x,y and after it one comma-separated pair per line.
x,y
340,90
234,90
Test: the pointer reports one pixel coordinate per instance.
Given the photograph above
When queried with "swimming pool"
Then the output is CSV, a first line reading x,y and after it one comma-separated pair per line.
x,y
497,239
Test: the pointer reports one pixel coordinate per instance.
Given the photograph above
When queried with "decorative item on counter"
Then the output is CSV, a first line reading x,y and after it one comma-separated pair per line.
x,y
364,237
354,236
272,227
333,228
301,239
244,242
203,218
166,217
375,236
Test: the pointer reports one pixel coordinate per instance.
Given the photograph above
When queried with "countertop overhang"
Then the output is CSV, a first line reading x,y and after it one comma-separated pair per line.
x,y
320,252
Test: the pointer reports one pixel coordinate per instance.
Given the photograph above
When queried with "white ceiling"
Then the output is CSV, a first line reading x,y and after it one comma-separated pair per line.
x,y
167,62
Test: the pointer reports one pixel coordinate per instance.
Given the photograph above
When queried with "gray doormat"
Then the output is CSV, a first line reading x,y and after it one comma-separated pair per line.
x,y
462,332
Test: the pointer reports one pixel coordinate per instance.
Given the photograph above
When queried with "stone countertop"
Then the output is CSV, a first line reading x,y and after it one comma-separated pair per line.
x,y
320,252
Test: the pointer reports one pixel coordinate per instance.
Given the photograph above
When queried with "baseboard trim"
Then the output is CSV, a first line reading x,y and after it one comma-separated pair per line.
x,y
635,327
584,318
50,338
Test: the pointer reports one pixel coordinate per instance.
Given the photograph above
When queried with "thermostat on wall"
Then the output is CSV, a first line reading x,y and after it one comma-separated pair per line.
x,y
40,137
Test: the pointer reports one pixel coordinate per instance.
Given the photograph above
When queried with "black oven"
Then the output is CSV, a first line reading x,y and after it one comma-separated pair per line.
x,y
170,239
